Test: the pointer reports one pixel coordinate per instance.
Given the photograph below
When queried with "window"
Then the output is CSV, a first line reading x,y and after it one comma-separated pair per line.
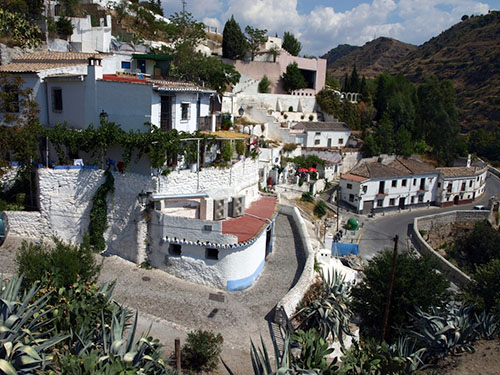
x,y
184,111
175,250
349,186
57,100
391,202
10,99
463,186
125,64
413,199
341,141
365,188
439,184
316,141
403,183
351,197
421,198
414,182
470,183
318,133
448,188
211,253
394,183
380,202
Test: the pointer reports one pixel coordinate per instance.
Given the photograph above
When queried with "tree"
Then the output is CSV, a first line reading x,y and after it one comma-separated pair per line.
x,y
320,209
402,142
478,247
184,30
291,44
255,37
437,116
354,82
416,283
384,135
275,52
293,78
264,85
483,291
233,41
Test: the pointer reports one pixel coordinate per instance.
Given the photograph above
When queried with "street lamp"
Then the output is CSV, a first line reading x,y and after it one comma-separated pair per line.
x,y
103,116
143,197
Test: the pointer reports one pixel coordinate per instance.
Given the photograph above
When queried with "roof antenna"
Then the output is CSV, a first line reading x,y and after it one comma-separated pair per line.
x,y
184,3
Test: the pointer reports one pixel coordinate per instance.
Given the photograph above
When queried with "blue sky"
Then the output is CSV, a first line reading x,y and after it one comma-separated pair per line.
x,y
323,24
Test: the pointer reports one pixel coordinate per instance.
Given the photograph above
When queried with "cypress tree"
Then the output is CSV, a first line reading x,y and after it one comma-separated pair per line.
x,y
234,41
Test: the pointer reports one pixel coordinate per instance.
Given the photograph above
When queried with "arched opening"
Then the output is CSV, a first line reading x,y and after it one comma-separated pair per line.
x,y
455,200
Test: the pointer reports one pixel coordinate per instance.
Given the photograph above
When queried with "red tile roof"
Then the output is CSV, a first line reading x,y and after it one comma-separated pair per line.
x,y
130,79
248,226
353,177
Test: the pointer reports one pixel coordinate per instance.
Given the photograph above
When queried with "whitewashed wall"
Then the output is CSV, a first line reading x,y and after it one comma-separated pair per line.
x,y
324,136
27,224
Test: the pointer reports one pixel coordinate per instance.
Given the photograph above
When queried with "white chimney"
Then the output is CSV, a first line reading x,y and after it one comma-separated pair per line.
x,y
94,68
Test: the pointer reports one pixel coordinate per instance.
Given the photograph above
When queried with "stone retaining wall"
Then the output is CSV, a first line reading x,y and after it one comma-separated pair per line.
x,y
428,222
292,299
27,224
494,171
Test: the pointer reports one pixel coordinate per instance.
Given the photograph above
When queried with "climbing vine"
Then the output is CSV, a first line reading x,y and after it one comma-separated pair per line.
x,y
158,144
99,212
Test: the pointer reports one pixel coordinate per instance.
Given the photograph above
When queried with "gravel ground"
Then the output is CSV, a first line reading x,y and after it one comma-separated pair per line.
x,y
175,306
171,307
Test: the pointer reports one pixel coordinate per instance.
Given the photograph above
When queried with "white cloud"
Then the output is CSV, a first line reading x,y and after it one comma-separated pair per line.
x,y
324,28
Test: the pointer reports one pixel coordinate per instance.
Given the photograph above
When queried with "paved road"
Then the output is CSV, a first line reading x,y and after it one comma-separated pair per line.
x,y
378,232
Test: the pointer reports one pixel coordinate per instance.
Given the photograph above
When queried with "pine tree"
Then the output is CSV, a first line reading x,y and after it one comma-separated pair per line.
x,y
355,85
291,44
234,41
293,78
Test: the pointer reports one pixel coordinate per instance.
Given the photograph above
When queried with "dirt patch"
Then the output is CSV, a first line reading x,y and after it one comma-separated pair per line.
x,y
484,361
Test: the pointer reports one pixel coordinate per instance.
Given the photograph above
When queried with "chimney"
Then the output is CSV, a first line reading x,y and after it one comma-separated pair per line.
x,y
94,68
468,160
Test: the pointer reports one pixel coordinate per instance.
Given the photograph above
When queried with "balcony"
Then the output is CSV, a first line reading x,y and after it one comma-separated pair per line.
x,y
383,193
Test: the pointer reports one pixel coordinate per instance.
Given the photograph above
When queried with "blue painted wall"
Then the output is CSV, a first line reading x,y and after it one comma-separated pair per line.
x,y
235,285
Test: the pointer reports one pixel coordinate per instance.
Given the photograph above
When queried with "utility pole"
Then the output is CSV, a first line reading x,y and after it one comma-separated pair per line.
x,y
338,204
391,285
184,3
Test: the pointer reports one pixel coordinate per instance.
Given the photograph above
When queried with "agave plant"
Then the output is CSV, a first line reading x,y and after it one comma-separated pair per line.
x,y
487,326
114,349
314,352
283,364
330,314
405,347
444,331
25,330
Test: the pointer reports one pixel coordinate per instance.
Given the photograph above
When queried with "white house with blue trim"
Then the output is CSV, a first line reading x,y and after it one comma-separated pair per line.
x,y
216,242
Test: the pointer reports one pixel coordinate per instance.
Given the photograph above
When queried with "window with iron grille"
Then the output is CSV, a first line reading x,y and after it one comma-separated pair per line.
x,y
184,111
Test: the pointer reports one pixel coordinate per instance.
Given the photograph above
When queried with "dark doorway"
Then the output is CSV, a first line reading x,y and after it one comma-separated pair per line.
x,y
166,113
402,203
269,243
455,200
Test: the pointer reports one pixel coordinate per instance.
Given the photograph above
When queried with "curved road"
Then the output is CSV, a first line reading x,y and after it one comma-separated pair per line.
x,y
377,233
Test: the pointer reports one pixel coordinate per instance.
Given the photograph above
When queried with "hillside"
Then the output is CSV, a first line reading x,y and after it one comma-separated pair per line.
x,y
468,54
340,51
375,57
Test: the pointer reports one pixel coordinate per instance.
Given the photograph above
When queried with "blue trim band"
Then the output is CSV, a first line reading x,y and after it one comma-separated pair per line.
x,y
235,285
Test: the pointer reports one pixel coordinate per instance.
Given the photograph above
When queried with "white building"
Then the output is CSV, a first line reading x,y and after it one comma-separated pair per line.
x,y
321,135
217,242
78,88
389,183
461,185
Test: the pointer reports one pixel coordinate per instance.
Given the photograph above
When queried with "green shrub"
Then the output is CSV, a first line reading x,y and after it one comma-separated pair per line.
x,y
227,151
64,26
64,263
264,85
307,197
240,147
320,209
201,351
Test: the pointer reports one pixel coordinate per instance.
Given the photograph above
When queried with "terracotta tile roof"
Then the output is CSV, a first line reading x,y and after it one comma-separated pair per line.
x,y
353,177
36,62
248,226
332,126
460,171
128,79
398,167
227,134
